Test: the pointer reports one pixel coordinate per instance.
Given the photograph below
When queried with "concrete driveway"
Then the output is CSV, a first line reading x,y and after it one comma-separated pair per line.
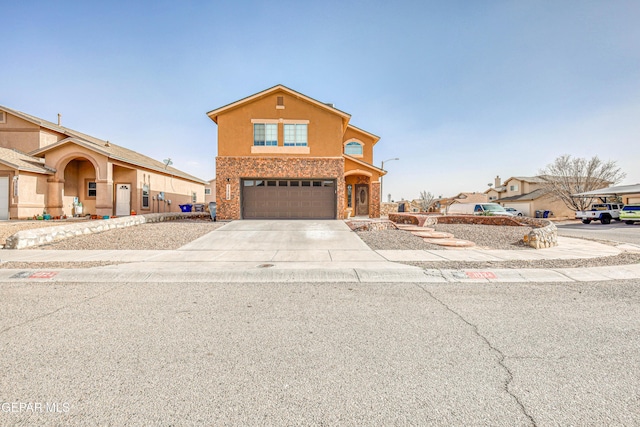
x,y
325,235
280,243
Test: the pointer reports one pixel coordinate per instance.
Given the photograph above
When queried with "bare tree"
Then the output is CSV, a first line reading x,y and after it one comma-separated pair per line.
x,y
426,199
567,176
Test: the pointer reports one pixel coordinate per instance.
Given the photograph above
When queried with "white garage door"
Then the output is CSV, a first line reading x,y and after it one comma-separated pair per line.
x,y
4,197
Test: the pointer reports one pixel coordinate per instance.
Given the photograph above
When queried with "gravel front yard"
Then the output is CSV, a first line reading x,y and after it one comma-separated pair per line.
x,y
484,236
174,234
150,236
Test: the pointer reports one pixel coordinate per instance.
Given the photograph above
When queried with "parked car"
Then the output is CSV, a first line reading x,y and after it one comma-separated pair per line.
x,y
477,209
630,214
603,212
513,211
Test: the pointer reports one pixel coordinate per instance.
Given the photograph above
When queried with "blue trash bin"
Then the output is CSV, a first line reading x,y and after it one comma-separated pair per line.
x,y
185,208
545,214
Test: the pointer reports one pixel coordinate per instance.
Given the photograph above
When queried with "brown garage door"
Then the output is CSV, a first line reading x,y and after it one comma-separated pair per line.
x,y
288,198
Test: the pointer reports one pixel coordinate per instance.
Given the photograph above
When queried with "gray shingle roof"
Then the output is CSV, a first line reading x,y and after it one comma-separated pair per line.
x,y
23,162
529,196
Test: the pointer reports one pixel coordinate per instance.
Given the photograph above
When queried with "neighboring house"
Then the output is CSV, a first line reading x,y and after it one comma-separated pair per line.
x,y
210,191
46,167
527,194
282,154
466,197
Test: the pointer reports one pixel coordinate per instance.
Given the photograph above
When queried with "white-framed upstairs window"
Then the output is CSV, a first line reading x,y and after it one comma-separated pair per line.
x,y
354,148
3,117
513,187
265,134
207,191
295,135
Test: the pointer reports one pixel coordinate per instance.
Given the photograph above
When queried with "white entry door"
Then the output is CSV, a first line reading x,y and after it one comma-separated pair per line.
x,y
4,197
123,200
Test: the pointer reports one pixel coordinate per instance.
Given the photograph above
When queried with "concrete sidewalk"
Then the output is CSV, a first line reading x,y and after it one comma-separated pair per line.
x,y
308,251
297,273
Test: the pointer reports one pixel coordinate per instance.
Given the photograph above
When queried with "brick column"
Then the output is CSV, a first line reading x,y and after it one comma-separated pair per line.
x,y
374,200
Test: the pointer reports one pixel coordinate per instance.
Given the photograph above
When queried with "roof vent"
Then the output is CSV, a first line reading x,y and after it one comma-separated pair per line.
x,y
108,144
59,119
330,104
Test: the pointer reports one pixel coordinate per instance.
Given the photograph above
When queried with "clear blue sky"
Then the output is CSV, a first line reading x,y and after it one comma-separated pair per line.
x,y
460,91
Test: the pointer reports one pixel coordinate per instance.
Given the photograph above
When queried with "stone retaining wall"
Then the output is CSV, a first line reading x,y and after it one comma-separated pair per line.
x,y
371,225
543,235
422,220
477,219
42,236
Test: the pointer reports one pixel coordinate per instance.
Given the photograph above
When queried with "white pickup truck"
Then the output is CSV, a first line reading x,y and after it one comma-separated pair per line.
x,y
603,212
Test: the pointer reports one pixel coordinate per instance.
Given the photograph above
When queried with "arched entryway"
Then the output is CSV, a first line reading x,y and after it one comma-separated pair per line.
x,y
79,186
75,181
358,193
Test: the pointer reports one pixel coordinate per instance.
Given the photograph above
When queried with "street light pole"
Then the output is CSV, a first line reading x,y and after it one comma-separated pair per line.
x,y
382,167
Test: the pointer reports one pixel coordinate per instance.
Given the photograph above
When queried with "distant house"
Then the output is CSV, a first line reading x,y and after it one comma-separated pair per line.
x,y
443,204
527,194
210,191
47,167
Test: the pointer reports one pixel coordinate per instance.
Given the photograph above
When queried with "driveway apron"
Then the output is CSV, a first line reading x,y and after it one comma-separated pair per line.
x,y
282,241
279,235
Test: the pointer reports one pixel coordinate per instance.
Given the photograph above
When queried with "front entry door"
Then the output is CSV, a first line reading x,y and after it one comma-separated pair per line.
x,y
362,199
123,200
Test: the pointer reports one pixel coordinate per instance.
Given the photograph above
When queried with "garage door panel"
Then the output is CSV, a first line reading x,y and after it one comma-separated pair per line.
x,y
289,199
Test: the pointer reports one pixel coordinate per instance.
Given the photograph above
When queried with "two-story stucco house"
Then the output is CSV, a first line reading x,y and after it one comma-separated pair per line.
x,y
528,195
282,154
45,166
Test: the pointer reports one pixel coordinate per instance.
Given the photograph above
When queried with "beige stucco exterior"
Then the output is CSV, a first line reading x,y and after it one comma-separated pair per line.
x,y
328,132
211,189
56,165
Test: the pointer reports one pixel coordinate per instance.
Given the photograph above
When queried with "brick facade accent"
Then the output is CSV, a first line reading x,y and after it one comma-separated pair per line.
x,y
374,200
230,170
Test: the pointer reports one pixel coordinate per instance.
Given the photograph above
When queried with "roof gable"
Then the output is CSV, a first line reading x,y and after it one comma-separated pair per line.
x,y
213,114
529,179
375,138
116,152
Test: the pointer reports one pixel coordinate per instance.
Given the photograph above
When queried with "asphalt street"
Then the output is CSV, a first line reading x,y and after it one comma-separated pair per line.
x,y
615,232
320,354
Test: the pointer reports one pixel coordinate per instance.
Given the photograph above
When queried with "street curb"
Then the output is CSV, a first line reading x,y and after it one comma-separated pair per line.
x,y
327,276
